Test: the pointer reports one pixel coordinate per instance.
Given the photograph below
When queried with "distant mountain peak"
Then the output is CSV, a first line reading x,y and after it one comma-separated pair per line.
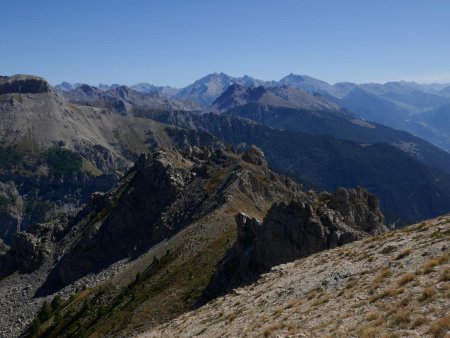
x,y
281,96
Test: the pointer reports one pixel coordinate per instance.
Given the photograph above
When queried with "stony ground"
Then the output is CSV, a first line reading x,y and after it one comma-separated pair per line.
x,y
393,285
18,304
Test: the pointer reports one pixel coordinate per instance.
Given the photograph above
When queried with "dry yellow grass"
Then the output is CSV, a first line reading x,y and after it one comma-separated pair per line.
x,y
379,278
427,294
445,275
440,326
405,278
430,264
403,253
419,321
377,296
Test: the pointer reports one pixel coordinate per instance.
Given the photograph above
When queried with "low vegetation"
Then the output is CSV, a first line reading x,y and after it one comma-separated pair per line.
x,y
62,161
9,157
160,293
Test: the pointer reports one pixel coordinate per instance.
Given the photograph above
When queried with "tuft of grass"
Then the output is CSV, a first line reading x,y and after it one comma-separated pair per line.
x,y
401,317
440,326
321,300
384,273
372,316
419,321
429,265
351,283
405,278
277,312
427,294
403,253
270,329
445,275
369,332
292,303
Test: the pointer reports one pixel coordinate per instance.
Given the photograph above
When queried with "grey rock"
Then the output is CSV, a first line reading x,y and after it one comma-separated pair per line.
x,y
291,231
23,84
254,155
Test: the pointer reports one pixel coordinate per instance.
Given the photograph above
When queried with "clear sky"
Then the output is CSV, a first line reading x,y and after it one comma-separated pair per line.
x,y
175,42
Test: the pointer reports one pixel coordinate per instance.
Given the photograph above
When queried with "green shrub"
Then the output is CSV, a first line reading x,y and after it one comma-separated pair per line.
x,y
62,161
9,157
37,210
4,201
35,327
45,312
56,303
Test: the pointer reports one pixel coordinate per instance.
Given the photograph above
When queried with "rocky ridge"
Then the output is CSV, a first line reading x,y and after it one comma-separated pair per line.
x,y
160,198
171,216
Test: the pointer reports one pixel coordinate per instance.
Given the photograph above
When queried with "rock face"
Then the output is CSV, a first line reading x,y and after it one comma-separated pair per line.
x,y
130,216
28,253
294,230
254,155
359,208
28,250
11,206
23,84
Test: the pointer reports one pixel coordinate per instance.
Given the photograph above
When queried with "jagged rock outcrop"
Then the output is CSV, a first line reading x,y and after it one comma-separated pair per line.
x,y
358,207
11,207
254,155
294,230
131,216
23,84
28,250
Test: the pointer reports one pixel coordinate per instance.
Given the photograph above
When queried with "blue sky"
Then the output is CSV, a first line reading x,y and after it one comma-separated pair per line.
x,y
177,41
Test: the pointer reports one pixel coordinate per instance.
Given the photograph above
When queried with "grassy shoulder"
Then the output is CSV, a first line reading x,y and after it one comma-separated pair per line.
x,y
168,287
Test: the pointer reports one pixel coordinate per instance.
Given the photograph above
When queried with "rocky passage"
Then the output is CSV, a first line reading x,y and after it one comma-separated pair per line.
x,y
392,285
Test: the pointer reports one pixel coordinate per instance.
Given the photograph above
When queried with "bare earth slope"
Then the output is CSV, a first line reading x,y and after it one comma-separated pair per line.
x,y
393,285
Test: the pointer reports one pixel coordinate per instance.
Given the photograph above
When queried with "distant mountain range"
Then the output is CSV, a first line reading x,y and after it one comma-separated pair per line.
x,y
122,99
413,107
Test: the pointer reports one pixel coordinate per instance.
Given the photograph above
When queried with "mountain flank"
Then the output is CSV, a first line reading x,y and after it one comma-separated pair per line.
x,y
395,284
293,109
